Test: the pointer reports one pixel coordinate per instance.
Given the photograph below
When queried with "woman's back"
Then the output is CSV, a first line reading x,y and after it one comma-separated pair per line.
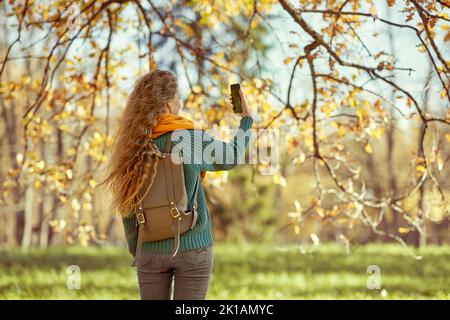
x,y
196,146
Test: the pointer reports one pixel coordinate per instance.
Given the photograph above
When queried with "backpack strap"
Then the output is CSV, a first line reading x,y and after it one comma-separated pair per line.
x,y
138,244
177,219
168,145
174,211
194,204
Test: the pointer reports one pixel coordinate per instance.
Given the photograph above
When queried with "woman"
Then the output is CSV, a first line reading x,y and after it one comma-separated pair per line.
x,y
153,104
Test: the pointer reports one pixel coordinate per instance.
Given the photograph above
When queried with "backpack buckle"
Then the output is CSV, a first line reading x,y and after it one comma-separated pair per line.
x,y
175,212
140,217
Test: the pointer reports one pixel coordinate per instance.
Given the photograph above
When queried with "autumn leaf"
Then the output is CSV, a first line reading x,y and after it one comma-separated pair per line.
x,y
19,158
37,184
92,183
69,174
298,205
439,161
320,211
64,127
279,180
420,169
75,205
404,230
447,37
368,148
376,132
288,60
409,102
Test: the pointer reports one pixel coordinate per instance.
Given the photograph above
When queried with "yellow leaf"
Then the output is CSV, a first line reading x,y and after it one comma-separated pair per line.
x,y
87,206
40,165
404,230
297,229
288,60
328,109
447,136
376,132
320,212
92,183
440,163
293,215
300,158
298,205
25,79
75,205
69,174
196,89
98,137
64,127
362,113
37,184
6,194
19,158
280,180
420,169
71,151
368,148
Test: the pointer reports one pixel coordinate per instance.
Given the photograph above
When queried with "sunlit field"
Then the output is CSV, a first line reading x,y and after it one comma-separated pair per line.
x,y
246,271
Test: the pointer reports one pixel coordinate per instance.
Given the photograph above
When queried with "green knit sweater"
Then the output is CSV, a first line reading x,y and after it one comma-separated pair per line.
x,y
200,160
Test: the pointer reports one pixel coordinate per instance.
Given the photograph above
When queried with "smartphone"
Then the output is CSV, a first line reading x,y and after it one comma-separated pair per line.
x,y
236,98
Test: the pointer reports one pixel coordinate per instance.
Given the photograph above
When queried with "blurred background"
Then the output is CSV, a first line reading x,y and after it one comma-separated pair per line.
x,y
357,93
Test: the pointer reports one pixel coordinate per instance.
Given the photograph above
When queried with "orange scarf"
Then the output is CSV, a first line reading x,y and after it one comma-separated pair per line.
x,y
171,122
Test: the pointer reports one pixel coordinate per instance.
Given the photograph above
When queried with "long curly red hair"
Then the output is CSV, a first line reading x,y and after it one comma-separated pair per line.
x,y
134,152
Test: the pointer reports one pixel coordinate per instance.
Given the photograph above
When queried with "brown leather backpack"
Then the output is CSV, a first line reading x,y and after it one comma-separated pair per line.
x,y
162,212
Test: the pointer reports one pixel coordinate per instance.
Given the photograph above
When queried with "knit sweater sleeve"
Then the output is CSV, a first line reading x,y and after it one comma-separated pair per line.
x,y
130,228
220,155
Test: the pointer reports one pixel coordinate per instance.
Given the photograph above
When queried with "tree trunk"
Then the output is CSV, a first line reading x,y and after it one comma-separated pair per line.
x,y
419,239
28,225
390,141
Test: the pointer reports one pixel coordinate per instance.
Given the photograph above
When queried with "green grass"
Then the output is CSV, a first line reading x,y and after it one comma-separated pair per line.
x,y
244,271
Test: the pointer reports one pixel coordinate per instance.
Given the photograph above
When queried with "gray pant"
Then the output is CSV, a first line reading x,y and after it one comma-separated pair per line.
x,y
184,277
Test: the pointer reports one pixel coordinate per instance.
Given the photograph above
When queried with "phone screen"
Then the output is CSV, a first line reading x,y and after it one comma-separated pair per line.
x,y
236,98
